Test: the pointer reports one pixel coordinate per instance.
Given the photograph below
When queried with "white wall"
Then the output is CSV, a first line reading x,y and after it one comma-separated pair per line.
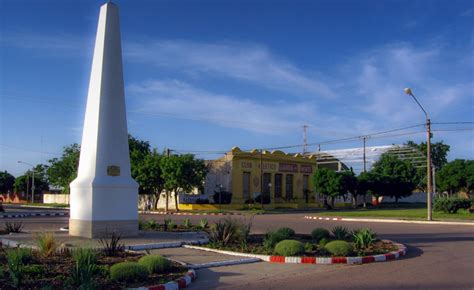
x,y
56,198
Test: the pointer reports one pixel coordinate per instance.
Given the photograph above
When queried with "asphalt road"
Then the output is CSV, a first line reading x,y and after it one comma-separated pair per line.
x,y
439,257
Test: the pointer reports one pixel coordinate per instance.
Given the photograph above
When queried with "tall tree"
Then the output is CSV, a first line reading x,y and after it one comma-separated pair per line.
x,y
456,176
149,175
62,171
139,150
182,173
6,182
328,183
439,152
349,185
395,177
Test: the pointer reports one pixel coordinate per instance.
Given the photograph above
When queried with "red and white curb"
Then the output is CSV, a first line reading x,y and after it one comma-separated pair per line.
x,y
179,283
188,213
401,251
374,220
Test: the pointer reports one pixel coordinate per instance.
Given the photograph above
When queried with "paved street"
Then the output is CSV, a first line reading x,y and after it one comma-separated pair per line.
x,y
439,257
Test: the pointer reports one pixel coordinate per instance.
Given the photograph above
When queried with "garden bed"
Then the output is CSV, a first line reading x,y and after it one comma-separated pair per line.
x,y
338,245
54,272
255,246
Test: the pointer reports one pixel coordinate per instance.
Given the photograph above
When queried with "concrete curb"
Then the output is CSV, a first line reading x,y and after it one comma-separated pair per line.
x,y
179,283
42,214
224,263
388,221
402,250
166,245
187,213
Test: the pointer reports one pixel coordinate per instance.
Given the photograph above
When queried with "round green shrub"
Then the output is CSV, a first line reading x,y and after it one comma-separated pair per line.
x,y
289,248
319,233
128,272
286,232
155,263
339,248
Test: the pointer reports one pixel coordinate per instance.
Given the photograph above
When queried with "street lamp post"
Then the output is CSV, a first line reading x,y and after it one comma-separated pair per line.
x,y
32,180
408,91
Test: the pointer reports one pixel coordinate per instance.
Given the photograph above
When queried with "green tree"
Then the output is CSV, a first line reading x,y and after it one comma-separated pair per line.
x,y
139,150
456,176
394,177
6,182
328,183
349,184
62,171
182,173
439,152
24,181
148,175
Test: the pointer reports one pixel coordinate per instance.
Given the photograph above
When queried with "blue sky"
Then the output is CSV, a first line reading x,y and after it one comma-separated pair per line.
x,y
209,75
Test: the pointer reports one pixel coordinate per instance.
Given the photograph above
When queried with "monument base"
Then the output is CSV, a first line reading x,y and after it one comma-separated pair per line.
x,y
100,229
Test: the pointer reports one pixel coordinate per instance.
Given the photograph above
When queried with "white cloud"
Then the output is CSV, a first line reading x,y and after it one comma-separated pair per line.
x,y
181,100
251,63
384,72
59,44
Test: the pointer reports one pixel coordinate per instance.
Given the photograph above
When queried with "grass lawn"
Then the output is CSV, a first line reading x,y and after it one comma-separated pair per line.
x,y
400,213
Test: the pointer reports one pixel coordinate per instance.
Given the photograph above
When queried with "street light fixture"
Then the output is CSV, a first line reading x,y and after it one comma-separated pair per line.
x,y
32,181
408,91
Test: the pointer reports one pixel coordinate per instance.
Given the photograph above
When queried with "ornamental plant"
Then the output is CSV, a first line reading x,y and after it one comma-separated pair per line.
x,y
47,245
340,233
128,272
339,248
203,224
155,263
286,232
85,268
319,233
363,238
289,248
272,238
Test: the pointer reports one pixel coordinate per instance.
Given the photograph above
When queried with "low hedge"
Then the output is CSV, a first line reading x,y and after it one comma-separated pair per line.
x,y
128,272
155,263
339,248
451,204
289,248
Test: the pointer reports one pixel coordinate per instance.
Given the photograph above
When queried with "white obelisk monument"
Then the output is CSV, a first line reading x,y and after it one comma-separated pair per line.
x,y
104,197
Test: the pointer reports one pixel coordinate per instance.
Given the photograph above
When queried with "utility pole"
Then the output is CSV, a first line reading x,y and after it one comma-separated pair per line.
x,y
365,169
429,190
33,187
305,140
168,152
261,177
428,165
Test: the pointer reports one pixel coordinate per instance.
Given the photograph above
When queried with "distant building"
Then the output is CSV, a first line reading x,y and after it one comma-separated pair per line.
x,y
284,179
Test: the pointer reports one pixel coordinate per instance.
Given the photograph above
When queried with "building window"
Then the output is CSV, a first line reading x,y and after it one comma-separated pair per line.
x,y
289,186
267,180
278,181
246,185
305,182
306,188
